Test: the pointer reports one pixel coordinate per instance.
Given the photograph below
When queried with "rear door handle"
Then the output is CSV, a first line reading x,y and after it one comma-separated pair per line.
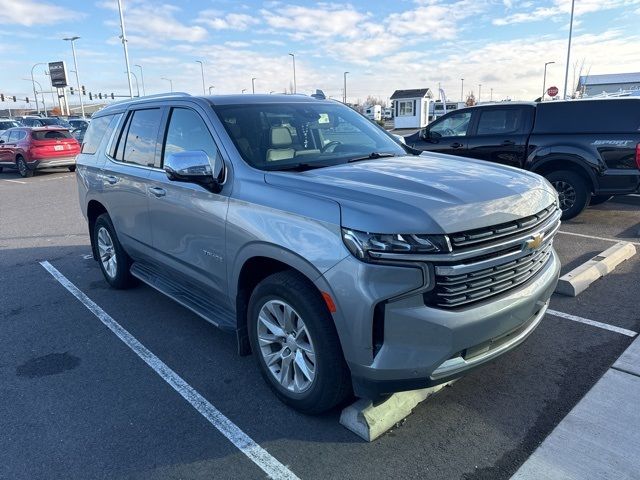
x,y
508,143
111,179
456,145
157,191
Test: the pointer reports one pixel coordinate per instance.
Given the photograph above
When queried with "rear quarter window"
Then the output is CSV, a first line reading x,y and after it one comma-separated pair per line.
x,y
97,130
596,116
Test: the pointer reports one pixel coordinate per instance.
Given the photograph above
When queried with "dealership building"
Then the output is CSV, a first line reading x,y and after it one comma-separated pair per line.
x,y
590,85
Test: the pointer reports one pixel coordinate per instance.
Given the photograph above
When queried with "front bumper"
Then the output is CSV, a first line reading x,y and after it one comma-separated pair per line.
x,y
425,346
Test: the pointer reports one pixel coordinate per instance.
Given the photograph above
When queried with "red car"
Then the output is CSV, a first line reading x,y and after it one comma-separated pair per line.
x,y
28,149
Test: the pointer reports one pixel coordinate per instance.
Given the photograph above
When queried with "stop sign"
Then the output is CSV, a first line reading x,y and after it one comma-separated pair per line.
x,y
552,91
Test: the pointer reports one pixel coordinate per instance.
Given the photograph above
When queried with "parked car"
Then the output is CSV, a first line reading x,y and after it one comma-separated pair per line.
x,y
79,133
336,256
6,124
588,149
45,122
30,148
79,123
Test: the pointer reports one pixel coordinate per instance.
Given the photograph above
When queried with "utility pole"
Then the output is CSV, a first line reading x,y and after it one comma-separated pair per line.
x,y
479,91
462,89
75,64
345,87
294,72
204,91
566,73
253,85
124,45
491,95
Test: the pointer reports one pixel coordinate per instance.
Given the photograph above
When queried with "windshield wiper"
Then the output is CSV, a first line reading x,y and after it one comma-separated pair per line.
x,y
298,167
372,156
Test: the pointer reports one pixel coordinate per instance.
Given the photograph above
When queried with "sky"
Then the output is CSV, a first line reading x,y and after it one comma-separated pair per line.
x,y
384,45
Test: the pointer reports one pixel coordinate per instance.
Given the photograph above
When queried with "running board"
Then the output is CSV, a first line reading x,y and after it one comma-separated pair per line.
x,y
185,296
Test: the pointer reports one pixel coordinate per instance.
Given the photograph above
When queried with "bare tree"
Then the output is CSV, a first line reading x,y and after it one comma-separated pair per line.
x,y
373,100
471,99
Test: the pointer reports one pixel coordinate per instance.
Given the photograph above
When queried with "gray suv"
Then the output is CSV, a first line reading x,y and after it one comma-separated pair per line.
x,y
344,261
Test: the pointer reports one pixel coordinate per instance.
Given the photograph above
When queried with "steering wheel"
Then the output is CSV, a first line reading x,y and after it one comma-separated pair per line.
x,y
448,132
331,145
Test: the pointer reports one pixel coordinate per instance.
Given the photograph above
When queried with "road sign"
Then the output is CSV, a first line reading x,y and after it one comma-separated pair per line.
x,y
552,91
58,74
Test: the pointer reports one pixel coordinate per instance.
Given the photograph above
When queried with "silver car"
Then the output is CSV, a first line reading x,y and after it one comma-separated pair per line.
x,y
345,262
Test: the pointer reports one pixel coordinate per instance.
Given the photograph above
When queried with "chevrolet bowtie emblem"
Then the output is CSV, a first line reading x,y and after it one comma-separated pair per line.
x,y
535,242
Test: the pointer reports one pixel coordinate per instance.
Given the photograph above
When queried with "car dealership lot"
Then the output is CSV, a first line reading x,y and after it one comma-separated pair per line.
x,y
77,402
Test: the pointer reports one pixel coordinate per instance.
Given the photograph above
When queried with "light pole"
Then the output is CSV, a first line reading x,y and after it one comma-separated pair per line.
x,y
124,46
244,90
33,82
44,107
491,95
211,87
204,92
295,88
544,80
170,82
253,85
144,92
75,64
462,89
479,91
566,73
345,87
137,85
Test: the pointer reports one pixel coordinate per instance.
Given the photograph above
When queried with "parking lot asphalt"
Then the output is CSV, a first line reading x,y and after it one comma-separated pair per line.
x,y
76,402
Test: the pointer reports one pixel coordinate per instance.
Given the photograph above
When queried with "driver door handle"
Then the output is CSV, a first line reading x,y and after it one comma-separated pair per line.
x,y
456,145
111,179
157,192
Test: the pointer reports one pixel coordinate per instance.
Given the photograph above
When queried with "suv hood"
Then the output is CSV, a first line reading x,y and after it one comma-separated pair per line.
x,y
430,193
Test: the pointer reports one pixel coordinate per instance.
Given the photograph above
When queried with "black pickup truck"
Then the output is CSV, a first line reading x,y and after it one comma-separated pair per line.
x,y
588,149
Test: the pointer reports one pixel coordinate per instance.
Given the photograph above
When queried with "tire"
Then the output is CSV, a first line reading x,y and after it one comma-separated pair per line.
x,y
113,260
23,168
573,191
328,380
72,168
1,168
599,199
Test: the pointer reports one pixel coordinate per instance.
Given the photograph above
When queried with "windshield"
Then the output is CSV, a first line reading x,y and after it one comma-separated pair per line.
x,y
5,125
280,135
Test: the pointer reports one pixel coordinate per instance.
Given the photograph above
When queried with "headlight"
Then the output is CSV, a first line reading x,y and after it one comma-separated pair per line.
x,y
366,246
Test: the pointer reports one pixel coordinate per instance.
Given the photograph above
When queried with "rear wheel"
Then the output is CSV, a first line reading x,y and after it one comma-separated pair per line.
x,y
114,261
296,344
573,192
72,168
23,168
599,199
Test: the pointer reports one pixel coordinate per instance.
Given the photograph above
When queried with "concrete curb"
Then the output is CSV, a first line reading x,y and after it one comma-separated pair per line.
x,y
578,279
370,421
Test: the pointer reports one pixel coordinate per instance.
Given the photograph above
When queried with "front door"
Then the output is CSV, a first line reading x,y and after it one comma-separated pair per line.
x,y
446,135
187,220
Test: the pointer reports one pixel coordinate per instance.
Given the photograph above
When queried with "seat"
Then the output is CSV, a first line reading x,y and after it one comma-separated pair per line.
x,y
280,145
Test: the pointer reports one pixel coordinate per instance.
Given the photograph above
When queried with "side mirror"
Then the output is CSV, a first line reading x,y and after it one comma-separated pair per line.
x,y
195,167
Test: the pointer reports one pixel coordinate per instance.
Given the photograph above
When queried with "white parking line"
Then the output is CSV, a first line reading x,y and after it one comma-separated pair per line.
x,y
16,181
598,238
272,467
593,323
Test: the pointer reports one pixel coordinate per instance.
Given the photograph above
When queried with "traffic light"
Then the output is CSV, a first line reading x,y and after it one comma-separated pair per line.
x,y
1,97
100,96
90,96
112,97
26,99
14,98
71,90
84,92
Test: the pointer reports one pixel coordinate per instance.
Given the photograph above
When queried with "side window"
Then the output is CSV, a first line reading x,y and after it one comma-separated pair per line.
x,y
98,128
188,132
5,137
15,136
498,121
455,125
139,138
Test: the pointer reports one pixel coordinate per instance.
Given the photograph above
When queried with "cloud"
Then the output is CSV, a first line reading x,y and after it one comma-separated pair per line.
x,y
31,12
230,21
559,9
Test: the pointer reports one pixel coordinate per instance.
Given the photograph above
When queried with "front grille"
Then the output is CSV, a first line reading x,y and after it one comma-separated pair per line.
x,y
481,236
457,290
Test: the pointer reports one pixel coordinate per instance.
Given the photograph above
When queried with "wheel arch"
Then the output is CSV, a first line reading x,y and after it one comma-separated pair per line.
x,y
557,164
94,210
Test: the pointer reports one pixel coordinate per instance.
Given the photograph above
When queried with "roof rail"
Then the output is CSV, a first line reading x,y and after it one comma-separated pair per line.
x,y
157,95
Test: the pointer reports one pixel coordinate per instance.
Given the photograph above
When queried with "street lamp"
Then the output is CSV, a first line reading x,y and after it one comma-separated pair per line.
x,y
44,107
253,85
244,90
211,87
462,89
566,73
294,72
202,72
479,91
544,80
33,82
491,95
123,37
75,64
170,82
345,87
144,92
137,85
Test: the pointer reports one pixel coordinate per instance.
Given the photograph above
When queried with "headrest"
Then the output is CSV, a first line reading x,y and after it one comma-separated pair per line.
x,y
280,137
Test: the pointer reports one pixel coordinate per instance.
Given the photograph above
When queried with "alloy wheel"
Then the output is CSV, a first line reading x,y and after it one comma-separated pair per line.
x,y
107,252
286,346
566,194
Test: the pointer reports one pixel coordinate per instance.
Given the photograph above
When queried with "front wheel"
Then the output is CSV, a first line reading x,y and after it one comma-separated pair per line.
x,y
573,192
296,344
114,261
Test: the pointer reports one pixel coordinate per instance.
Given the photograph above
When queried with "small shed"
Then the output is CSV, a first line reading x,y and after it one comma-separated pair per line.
x,y
411,107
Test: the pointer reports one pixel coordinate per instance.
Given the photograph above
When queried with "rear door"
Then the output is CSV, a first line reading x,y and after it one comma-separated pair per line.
x,y
499,134
447,135
5,152
187,220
